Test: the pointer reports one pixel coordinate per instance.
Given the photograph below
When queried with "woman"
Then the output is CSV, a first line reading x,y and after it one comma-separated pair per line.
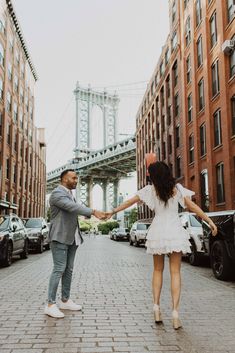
x,y
166,234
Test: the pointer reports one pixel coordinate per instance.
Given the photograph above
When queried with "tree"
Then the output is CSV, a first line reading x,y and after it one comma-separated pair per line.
x,y
132,216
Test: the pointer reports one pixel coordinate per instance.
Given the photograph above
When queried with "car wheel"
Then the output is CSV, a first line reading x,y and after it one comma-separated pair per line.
x,y
130,241
24,254
40,247
220,262
8,259
194,257
47,246
136,243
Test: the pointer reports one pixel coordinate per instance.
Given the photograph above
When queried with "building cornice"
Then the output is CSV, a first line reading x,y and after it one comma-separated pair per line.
x,y
20,34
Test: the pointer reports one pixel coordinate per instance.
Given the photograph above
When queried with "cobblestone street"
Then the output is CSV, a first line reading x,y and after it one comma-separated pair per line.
x,y
113,281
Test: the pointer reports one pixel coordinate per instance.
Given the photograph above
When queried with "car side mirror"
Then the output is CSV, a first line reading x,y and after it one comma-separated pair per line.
x,y
44,226
185,225
14,227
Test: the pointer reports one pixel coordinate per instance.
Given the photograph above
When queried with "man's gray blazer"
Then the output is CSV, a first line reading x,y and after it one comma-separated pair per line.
x,y
64,216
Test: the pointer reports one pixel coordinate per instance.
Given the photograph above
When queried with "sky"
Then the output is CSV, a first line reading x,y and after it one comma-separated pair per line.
x,y
105,43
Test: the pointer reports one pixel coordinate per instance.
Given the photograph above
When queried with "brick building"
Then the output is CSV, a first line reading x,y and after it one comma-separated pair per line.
x,y
187,115
22,145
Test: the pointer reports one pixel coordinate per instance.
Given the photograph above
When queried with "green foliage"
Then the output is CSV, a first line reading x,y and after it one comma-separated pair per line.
x,y
48,214
133,216
105,227
84,226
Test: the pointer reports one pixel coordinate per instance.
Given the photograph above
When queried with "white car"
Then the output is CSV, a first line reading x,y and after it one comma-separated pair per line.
x,y
194,228
138,233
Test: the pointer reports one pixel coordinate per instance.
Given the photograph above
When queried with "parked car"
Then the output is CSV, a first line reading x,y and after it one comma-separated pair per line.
x,y
13,239
221,248
120,234
138,233
195,231
38,231
111,233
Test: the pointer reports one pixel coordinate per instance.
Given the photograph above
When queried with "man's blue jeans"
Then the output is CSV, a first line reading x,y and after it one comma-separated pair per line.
x,y
63,258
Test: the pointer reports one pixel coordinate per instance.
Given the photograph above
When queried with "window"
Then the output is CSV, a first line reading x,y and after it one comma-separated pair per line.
x,y
178,167
16,84
1,88
169,144
1,55
158,131
15,114
21,119
31,112
190,107
217,128
168,88
10,71
204,190
230,7
185,3
161,69
175,73
203,139
27,102
2,25
17,57
174,40
176,99
8,134
169,115
199,52
11,43
187,31
233,114
198,12
173,12
188,67
201,103
14,174
164,150
213,29
21,95
191,148
162,96
167,56
220,182
163,123
30,135
152,88
15,142
232,60
215,78
8,168
8,102
22,70
177,136
156,79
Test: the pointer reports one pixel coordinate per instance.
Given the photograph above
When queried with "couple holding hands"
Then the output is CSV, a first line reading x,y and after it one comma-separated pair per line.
x,y
165,235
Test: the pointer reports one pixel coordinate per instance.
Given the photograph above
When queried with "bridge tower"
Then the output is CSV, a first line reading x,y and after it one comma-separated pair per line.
x,y
86,99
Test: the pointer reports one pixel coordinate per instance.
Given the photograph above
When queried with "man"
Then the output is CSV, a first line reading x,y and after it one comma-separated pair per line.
x,y
65,237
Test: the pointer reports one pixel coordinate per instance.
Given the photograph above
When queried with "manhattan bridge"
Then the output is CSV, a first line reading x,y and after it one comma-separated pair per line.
x,y
106,166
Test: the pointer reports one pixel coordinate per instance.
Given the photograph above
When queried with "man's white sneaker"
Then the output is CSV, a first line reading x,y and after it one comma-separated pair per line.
x,y
53,311
69,305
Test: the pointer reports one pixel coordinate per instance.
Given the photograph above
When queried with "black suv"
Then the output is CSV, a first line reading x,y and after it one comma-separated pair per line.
x,y
13,239
37,230
221,248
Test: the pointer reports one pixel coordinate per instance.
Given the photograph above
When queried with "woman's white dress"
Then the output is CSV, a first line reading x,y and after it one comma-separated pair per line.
x,y
166,233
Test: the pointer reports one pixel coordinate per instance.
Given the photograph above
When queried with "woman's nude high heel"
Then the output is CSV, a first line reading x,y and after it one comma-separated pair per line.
x,y
175,320
157,314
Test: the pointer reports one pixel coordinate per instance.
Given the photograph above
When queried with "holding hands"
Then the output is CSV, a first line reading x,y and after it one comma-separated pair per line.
x,y
103,216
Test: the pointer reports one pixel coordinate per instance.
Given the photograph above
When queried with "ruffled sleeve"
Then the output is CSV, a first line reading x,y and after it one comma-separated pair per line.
x,y
147,195
183,192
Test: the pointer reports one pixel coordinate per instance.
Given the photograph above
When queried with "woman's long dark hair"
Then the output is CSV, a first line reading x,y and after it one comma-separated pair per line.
x,y
163,180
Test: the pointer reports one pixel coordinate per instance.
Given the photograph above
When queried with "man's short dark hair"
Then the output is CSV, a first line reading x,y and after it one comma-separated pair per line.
x,y
65,172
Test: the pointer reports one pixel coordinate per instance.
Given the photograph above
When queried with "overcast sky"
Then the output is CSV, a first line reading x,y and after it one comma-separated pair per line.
x,y
102,42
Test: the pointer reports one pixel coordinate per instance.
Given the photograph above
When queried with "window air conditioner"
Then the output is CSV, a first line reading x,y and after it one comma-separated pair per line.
x,y
228,46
